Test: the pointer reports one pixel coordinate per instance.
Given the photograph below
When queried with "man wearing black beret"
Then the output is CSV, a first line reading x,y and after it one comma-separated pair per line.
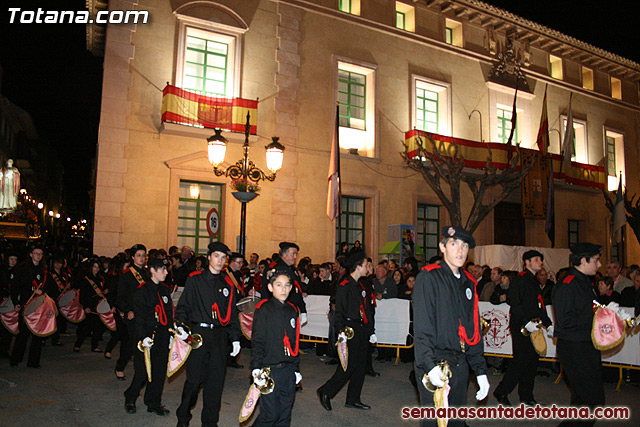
x,y
573,307
209,304
287,262
527,306
446,324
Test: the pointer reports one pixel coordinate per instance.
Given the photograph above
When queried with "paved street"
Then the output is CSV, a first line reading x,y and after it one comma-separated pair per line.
x,y
80,389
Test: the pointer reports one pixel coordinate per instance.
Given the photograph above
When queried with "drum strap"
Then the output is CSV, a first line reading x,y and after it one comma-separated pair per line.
x,y
61,285
233,279
95,287
137,275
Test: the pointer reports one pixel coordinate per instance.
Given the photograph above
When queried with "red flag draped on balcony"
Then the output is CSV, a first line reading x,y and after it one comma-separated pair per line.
x,y
543,133
189,108
334,197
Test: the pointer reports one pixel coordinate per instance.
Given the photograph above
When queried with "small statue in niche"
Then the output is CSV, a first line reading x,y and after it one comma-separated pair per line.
x,y
9,187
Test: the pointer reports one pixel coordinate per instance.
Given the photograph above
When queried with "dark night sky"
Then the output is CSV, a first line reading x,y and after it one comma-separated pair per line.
x,y
49,73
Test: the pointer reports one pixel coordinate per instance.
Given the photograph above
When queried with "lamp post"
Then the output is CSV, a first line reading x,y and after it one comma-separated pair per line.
x,y
244,169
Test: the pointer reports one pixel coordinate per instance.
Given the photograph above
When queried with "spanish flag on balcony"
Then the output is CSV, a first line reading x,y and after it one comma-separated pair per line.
x,y
189,108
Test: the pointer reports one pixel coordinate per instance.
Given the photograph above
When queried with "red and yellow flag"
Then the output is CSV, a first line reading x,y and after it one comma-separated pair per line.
x,y
189,108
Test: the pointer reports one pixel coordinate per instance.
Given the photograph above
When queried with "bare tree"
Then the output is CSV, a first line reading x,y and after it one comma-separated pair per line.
x,y
631,206
441,166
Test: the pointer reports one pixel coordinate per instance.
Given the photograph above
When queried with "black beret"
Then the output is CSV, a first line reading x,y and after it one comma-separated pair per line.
x,y
286,245
235,255
585,249
355,259
530,254
156,263
218,247
459,233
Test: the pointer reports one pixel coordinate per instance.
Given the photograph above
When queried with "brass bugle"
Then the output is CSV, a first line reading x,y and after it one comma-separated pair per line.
x,y
444,367
348,331
194,340
270,384
524,331
486,325
141,346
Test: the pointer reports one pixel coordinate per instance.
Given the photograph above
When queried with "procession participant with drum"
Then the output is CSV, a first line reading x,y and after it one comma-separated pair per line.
x,y
288,255
354,323
129,281
118,264
275,345
446,325
208,303
153,310
6,278
28,283
57,283
91,294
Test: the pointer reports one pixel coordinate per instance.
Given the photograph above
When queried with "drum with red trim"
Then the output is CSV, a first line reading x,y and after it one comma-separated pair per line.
x,y
66,297
9,316
6,305
40,315
34,304
103,306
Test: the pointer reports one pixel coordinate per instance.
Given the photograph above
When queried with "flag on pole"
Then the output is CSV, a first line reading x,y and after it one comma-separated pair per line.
x,y
619,217
543,132
513,126
550,224
334,197
568,151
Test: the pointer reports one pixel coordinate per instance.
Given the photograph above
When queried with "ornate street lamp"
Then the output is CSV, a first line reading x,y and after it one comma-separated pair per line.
x,y
244,169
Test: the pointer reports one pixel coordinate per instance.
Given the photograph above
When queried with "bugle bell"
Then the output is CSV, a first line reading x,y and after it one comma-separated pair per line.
x,y
348,331
524,331
486,325
269,384
194,340
444,367
141,346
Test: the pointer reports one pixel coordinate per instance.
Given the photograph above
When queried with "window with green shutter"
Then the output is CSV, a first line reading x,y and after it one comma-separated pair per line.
x,y
195,201
351,221
352,99
205,67
427,229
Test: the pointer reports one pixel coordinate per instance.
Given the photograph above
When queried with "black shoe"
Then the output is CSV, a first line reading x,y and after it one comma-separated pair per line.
x,y
181,424
235,365
130,407
372,373
120,378
34,366
97,350
324,399
357,405
107,355
331,362
298,388
531,402
502,399
162,411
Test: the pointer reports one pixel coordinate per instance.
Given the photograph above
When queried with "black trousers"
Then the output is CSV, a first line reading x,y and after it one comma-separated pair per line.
x,y
20,346
206,365
159,359
61,324
275,407
128,343
90,325
5,341
582,364
116,335
356,368
458,382
521,370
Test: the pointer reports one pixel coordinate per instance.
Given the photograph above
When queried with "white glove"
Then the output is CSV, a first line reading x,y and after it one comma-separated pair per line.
x,y
532,327
182,334
436,377
258,380
613,306
373,339
147,342
550,331
303,318
342,337
236,349
298,377
483,383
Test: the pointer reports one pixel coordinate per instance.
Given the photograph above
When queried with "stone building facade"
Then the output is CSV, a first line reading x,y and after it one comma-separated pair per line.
x,y
392,66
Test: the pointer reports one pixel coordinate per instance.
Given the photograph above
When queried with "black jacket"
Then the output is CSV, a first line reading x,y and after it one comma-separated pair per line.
x,y
524,299
441,303
207,295
354,308
573,307
275,335
27,277
295,296
127,285
153,310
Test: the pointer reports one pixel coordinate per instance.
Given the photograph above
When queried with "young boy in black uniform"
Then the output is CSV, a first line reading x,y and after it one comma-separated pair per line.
x,y
275,341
